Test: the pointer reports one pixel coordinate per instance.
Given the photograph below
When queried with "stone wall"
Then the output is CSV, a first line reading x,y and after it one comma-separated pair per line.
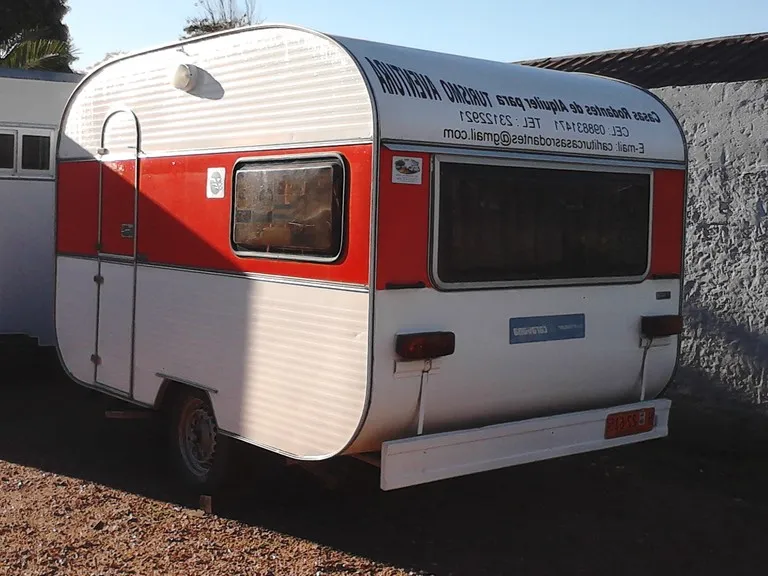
x,y
725,347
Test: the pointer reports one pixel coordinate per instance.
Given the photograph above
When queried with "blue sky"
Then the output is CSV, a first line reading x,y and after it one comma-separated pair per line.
x,y
496,29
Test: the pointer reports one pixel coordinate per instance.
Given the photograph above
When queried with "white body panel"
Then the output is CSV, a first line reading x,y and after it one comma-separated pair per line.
x,y
31,104
269,87
434,457
76,316
488,380
425,97
115,327
287,362
278,86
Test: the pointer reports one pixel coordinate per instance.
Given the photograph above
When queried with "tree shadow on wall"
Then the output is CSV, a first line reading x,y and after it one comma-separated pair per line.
x,y
749,351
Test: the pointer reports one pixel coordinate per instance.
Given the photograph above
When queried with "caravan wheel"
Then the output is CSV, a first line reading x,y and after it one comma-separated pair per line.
x,y
195,443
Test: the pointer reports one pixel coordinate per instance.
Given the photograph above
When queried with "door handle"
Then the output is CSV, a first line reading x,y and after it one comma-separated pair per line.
x,y
126,230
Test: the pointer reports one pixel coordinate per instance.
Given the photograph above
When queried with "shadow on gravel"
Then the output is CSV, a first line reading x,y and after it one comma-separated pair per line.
x,y
695,503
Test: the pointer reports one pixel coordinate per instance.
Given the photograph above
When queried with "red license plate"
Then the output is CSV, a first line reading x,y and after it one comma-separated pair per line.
x,y
630,422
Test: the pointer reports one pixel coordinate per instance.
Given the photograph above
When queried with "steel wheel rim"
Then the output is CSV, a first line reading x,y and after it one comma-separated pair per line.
x,y
197,439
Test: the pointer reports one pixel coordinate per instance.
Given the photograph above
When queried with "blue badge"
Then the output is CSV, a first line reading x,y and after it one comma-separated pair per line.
x,y
546,328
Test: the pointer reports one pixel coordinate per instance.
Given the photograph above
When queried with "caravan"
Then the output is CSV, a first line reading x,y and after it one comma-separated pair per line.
x,y
31,105
326,246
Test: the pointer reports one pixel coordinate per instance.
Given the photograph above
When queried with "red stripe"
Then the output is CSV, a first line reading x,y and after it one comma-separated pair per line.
x,y
179,226
403,227
117,208
668,218
77,208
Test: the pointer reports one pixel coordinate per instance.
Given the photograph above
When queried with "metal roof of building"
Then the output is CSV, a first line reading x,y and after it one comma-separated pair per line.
x,y
726,59
39,75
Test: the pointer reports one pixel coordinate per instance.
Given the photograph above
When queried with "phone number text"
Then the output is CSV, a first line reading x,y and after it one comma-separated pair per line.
x,y
488,118
589,128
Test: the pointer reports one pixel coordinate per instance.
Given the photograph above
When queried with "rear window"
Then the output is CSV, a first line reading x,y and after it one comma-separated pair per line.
x,y
506,224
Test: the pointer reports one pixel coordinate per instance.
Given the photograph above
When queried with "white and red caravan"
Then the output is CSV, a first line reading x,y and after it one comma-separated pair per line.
x,y
326,246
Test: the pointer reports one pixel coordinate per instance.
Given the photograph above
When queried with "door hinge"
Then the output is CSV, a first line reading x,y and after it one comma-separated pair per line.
x,y
98,246
99,279
96,359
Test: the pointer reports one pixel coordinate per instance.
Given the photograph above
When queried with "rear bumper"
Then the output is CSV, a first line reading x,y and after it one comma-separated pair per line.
x,y
428,458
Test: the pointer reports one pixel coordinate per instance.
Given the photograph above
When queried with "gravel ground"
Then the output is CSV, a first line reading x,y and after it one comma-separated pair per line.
x,y
87,496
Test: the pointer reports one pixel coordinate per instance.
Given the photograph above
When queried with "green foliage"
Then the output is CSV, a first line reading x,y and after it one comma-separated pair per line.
x,y
218,15
33,51
33,35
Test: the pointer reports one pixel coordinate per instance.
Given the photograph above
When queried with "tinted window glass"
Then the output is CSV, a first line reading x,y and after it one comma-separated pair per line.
x,y
6,151
501,223
35,152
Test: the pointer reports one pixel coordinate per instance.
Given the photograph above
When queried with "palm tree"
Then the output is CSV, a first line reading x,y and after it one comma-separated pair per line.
x,y
31,50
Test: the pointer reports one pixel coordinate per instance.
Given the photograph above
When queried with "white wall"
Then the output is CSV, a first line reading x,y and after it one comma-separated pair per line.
x,y
726,300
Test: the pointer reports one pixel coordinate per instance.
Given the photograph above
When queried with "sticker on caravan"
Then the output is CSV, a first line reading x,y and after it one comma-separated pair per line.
x,y
406,170
215,186
546,328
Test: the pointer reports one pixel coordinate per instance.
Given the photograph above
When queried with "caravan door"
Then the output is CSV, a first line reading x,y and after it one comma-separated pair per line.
x,y
118,194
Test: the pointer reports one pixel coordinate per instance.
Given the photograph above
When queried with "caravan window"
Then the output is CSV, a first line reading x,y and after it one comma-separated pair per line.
x,y
513,224
7,150
289,208
35,152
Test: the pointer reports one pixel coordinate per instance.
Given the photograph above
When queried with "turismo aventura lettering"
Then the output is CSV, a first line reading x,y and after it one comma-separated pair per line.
x,y
399,81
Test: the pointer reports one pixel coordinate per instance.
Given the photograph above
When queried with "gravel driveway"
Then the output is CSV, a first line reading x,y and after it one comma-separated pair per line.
x,y
87,496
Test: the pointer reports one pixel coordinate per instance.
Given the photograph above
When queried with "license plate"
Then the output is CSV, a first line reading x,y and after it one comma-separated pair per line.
x,y
630,422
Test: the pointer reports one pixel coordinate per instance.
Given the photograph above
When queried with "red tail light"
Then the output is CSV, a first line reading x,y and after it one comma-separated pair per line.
x,y
668,219
425,345
661,326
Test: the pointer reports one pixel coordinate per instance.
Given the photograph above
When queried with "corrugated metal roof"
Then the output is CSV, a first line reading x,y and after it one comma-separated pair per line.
x,y
40,75
727,59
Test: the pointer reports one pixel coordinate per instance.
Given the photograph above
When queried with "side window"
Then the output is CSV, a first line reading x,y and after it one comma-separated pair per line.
x,y
35,152
7,150
26,152
289,208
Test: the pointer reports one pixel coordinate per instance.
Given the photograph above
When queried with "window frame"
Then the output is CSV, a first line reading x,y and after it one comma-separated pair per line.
x,y
298,159
18,132
43,132
15,133
586,166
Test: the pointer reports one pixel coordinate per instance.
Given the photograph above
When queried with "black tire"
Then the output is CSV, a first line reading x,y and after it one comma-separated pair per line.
x,y
198,452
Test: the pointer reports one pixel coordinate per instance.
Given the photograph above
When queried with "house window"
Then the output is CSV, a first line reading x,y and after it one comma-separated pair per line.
x,y
508,224
289,208
7,150
35,152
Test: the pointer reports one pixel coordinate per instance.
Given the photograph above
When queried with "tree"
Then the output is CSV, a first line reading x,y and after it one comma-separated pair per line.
x,y
33,50
218,15
34,36
16,16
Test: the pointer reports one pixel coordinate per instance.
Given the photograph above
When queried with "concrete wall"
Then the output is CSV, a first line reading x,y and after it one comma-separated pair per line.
x,y
725,348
